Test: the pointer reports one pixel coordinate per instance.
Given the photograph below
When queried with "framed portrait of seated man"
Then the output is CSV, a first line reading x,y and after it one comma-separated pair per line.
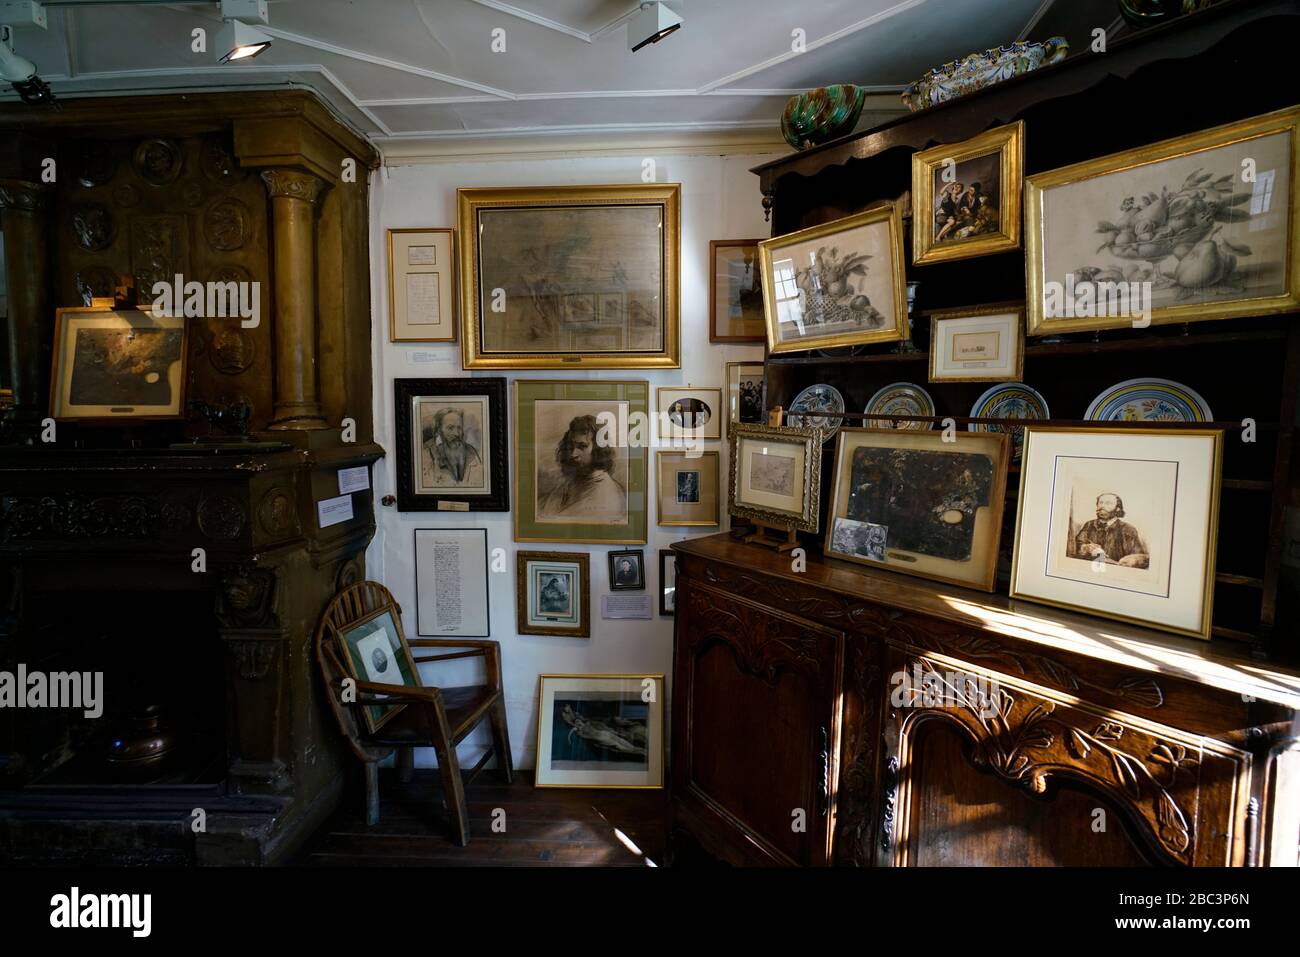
x,y
452,453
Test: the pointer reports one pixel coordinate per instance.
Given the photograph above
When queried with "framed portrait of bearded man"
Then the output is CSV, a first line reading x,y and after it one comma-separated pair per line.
x,y
452,453
580,461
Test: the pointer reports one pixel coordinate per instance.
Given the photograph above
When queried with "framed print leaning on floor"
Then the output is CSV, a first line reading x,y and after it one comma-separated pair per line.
x,y
600,731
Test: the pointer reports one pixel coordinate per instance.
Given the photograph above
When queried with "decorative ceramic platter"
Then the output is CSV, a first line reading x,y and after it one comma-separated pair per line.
x,y
820,398
900,398
1008,400
1149,400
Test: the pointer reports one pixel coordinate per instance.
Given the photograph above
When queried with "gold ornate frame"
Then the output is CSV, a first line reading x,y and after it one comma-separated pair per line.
x,y
808,519
660,490
663,731
523,582
992,309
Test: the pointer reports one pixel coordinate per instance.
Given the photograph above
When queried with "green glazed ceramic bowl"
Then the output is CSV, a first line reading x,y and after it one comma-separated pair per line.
x,y
822,114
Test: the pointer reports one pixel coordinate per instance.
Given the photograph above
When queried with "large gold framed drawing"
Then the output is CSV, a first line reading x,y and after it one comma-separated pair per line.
x,y
563,277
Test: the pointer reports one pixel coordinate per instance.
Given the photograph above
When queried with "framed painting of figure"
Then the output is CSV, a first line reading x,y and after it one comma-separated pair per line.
x,y
735,291
564,277
451,445
580,461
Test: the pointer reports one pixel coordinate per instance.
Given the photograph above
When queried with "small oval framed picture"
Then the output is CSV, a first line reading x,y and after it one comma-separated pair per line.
x,y
978,344
686,413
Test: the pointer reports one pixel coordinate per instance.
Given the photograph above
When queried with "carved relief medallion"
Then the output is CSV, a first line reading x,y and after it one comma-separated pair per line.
x,y
221,518
92,225
156,252
226,224
232,350
276,513
157,161
126,196
218,162
93,163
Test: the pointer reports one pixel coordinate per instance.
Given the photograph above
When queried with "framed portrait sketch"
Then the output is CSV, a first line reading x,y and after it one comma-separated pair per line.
x,y
776,476
966,196
579,475
667,582
554,594
735,291
685,413
1122,524
837,284
451,583
914,503
375,649
688,488
1170,232
978,344
744,383
118,365
422,285
451,445
563,277
600,731
627,570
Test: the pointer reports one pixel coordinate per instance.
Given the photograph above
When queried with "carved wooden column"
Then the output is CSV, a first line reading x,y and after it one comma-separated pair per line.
x,y
25,208
293,210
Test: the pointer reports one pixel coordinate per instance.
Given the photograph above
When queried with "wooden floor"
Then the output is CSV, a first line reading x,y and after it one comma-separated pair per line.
x,y
543,827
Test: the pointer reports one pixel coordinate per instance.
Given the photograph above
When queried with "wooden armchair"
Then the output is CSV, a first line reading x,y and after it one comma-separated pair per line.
x,y
412,716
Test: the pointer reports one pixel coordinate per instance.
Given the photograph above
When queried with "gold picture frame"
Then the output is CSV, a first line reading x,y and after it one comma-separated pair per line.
x,y
682,500
839,294
573,572
946,163
727,292
744,395
951,361
627,773
1152,225
703,408
800,481
432,254
566,266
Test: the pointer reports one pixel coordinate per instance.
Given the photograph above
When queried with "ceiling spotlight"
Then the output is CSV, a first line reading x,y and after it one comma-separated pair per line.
x,y
652,24
20,73
239,39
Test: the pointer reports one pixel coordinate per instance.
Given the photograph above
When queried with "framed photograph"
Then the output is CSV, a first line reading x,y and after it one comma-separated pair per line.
x,y
966,196
118,365
744,382
1122,524
1169,232
735,291
563,277
688,488
451,583
689,413
375,649
554,594
600,731
838,284
776,475
627,570
978,344
667,582
578,479
422,285
914,503
451,445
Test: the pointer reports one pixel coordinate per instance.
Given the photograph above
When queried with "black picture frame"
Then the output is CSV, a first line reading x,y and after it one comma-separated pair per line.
x,y
496,434
638,555
667,555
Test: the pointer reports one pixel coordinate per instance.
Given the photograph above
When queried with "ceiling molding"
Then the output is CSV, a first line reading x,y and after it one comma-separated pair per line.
x,y
1033,20
535,18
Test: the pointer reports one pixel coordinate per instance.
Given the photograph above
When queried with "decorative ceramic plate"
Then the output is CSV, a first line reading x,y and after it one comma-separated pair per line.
x,y
900,398
820,398
1008,400
978,70
1149,400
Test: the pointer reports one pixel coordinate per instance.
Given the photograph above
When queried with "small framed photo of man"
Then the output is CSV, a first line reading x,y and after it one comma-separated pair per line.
x,y
553,594
688,488
627,570
451,449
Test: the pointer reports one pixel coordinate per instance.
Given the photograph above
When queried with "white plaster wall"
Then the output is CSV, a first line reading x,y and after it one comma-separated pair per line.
x,y
720,200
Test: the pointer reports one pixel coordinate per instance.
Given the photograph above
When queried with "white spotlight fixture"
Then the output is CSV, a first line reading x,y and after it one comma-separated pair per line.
x,y
239,39
652,24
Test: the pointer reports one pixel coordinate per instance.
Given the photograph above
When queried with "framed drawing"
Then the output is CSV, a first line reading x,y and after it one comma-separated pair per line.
x,y
600,731
451,583
375,649
554,594
1169,232
627,570
978,344
667,582
912,502
689,413
1122,524
744,382
563,277
838,284
422,285
451,445
688,488
776,476
735,291
118,365
578,477
966,196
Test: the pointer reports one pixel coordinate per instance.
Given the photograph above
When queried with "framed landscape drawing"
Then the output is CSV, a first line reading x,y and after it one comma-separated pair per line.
x,y
422,285
914,503
554,594
966,196
1122,524
688,488
1203,226
838,284
565,277
978,344
735,291
600,731
451,445
776,475
580,464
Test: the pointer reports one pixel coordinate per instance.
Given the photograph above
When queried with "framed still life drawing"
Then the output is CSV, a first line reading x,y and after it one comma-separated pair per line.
x,y
422,285
600,731
565,277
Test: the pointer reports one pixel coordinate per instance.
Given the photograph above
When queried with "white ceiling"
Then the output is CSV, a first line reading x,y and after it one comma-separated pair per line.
x,y
422,71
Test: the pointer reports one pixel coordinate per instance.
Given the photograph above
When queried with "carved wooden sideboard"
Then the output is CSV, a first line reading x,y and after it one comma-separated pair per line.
x,y
1052,738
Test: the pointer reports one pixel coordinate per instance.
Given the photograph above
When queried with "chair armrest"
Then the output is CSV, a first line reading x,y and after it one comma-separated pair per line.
x,y
401,693
453,642
489,648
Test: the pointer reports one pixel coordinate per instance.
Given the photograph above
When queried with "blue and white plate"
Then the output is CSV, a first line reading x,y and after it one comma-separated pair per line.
x,y
817,407
1149,400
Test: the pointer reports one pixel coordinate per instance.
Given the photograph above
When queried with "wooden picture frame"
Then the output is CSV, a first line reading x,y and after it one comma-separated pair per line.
x,y
737,298
422,285
636,558
741,407
551,607
432,479
368,658
978,344
786,497
688,490
685,413
610,722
